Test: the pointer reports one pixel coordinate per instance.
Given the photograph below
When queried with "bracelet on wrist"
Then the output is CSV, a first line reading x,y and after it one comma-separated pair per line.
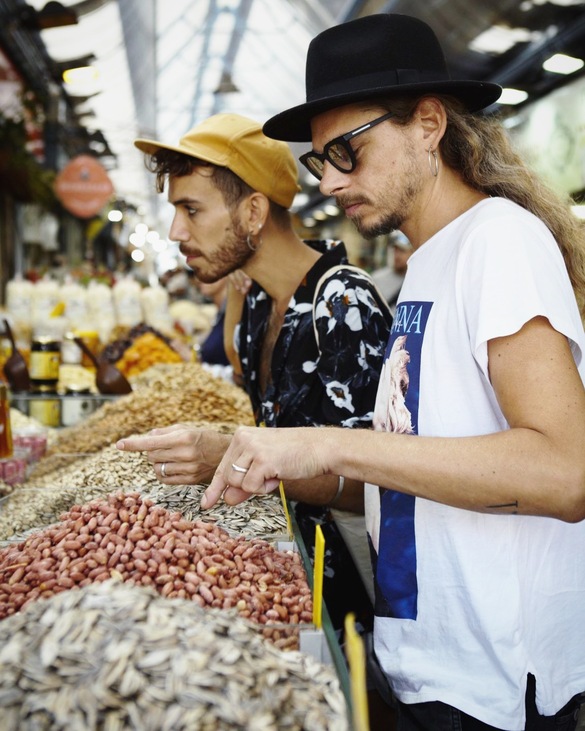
x,y
340,486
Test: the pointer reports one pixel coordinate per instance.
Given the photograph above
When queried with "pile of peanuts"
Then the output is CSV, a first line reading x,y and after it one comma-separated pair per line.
x,y
130,538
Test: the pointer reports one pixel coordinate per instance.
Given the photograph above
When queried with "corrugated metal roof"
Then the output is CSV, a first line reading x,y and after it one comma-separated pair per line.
x,y
167,64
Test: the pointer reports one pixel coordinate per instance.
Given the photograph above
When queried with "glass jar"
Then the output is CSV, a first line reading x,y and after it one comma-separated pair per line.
x,y
45,359
47,408
76,405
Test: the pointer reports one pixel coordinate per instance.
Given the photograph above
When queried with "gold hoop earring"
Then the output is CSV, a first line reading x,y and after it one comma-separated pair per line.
x,y
433,162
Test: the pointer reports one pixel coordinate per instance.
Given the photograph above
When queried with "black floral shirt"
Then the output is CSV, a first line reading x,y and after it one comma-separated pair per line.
x,y
335,382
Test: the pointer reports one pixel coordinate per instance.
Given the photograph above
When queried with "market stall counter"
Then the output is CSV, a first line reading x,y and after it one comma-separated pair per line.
x,y
94,519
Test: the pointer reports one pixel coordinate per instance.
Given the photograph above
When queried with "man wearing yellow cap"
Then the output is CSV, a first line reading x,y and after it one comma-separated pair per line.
x,y
312,332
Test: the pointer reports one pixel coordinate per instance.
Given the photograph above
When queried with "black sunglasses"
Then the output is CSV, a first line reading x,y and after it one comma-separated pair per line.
x,y
338,151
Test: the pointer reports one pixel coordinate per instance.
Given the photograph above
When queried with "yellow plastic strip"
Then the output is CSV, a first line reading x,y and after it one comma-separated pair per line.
x,y
356,659
285,508
318,577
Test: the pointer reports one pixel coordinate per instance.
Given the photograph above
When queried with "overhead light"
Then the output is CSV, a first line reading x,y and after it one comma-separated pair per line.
x,y
81,76
512,121
562,64
499,39
579,211
512,96
319,215
300,200
332,210
159,245
310,181
226,84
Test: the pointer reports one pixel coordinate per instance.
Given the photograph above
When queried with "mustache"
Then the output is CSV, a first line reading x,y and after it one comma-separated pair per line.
x,y
186,251
345,201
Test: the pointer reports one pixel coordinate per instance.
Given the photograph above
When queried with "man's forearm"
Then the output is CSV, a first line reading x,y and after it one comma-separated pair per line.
x,y
324,491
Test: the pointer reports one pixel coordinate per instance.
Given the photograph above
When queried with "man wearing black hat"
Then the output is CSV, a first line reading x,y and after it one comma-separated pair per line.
x,y
475,473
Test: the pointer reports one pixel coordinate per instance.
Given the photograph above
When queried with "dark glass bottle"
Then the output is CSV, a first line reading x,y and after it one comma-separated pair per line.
x,y
6,448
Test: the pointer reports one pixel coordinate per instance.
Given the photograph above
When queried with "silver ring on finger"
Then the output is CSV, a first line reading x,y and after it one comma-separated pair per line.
x,y
163,469
237,468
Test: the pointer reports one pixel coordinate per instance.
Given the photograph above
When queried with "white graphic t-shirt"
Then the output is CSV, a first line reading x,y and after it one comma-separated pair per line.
x,y
467,604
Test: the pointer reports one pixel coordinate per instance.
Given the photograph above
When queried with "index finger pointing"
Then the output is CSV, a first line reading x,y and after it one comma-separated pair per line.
x,y
138,444
214,491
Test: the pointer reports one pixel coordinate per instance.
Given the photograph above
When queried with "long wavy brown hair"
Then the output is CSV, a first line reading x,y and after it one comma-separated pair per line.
x,y
479,148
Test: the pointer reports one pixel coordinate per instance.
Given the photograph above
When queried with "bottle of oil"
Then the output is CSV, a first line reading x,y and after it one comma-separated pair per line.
x,y
6,449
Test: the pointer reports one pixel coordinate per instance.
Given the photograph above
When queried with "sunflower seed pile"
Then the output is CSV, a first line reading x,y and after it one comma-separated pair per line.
x,y
29,509
80,478
261,516
117,657
84,477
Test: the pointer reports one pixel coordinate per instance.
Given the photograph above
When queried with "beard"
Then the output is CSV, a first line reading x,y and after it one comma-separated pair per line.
x,y
390,220
231,255
386,225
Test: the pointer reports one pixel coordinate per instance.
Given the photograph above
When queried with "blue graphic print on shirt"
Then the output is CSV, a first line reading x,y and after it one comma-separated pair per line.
x,y
395,569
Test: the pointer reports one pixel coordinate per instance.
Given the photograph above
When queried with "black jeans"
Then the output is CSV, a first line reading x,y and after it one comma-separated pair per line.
x,y
436,716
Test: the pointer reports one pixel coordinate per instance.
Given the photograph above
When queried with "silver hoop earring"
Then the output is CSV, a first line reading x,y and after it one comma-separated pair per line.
x,y
249,242
433,162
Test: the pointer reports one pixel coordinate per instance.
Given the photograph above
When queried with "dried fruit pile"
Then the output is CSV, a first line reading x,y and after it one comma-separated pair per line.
x,y
145,351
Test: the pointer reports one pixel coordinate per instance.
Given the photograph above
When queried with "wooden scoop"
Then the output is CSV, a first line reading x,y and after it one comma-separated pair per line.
x,y
15,368
108,378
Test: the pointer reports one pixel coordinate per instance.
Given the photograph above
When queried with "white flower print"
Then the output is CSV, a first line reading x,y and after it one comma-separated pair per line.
x,y
340,395
365,297
336,289
353,319
361,359
302,307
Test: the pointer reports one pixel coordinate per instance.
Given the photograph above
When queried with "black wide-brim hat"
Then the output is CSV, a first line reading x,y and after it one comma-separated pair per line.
x,y
379,55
